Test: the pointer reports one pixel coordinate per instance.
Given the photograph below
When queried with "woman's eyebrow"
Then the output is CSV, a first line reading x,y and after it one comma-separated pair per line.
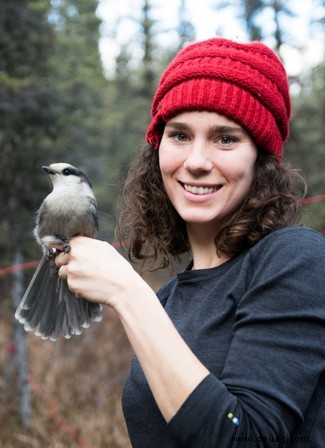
x,y
177,125
227,129
218,129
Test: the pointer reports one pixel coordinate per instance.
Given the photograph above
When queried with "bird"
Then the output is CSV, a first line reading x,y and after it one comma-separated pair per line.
x,y
48,307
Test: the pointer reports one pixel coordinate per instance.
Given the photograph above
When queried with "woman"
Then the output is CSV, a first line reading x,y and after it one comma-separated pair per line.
x,y
230,352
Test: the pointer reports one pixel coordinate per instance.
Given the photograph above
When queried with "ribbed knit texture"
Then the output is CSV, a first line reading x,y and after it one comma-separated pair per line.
x,y
245,82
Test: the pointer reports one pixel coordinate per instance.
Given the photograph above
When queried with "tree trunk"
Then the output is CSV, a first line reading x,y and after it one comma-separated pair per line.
x,y
19,339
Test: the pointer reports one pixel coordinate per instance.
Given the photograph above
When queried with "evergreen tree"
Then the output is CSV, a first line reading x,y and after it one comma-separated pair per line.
x,y
50,109
28,118
185,29
131,93
306,147
249,12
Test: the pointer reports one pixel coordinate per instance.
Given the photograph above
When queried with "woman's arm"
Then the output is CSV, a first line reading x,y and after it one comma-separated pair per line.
x,y
95,270
275,357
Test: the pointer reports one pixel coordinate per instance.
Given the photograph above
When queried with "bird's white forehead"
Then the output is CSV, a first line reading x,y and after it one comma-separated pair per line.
x,y
59,166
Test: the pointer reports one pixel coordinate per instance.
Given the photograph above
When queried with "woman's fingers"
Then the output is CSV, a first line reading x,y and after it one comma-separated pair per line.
x,y
63,272
61,259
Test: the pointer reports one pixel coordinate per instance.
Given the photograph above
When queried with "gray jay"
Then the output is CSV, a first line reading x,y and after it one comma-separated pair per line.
x,y
48,307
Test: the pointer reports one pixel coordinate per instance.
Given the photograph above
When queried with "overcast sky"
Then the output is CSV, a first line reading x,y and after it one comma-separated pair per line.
x,y
117,17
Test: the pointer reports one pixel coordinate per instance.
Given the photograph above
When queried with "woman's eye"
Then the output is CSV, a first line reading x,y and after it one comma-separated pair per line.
x,y
227,140
179,137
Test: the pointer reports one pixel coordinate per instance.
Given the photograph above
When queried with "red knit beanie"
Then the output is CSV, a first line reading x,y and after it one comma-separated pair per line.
x,y
245,82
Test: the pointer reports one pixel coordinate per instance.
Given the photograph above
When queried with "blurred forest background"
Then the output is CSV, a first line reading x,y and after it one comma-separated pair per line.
x,y
57,103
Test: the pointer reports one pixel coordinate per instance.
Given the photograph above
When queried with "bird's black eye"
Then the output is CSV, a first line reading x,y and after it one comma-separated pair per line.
x,y
67,172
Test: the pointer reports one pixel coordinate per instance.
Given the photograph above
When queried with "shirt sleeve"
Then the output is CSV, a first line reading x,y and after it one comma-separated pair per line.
x,y
276,356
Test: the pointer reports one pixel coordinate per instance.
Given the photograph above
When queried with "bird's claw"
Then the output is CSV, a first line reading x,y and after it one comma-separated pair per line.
x,y
50,252
66,248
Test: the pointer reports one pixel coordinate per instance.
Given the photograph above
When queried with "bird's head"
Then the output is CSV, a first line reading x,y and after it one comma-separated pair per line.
x,y
65,175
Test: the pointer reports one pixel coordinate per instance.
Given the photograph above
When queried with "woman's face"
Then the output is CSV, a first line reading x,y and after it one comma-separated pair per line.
x,y
207,164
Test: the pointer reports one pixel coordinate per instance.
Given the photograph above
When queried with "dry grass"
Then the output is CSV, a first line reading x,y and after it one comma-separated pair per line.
x,y
76,388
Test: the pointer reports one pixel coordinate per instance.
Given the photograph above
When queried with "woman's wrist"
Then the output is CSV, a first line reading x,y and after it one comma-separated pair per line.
x,y
132,296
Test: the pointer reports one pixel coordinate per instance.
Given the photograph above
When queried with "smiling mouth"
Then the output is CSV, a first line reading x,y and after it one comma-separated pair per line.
x,y
200,190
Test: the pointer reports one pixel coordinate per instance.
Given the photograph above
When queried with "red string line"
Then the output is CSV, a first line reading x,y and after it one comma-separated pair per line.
x,y
33,264
19,267
320,197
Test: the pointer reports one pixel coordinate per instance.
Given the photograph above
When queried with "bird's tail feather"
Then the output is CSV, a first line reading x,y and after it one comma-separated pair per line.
x,y
49,309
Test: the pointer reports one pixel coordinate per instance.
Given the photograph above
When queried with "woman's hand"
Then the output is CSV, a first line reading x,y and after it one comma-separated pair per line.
x,y
94,270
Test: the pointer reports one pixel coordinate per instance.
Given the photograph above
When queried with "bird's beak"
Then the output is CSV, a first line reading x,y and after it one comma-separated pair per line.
x,y
48,170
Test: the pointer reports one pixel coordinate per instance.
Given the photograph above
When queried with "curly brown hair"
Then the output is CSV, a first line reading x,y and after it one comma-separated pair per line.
x,y
155,232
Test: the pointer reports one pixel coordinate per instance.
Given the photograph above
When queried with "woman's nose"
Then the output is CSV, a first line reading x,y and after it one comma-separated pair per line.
x,y
198,158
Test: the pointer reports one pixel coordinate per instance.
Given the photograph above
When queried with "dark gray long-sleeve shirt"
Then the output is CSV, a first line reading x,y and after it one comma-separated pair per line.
x,y
257,322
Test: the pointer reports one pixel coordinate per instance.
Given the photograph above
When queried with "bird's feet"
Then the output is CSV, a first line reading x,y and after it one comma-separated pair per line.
x,y
50,252
66,248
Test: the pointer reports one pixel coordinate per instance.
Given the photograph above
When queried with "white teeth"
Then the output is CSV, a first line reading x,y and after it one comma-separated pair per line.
x,y
199,190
